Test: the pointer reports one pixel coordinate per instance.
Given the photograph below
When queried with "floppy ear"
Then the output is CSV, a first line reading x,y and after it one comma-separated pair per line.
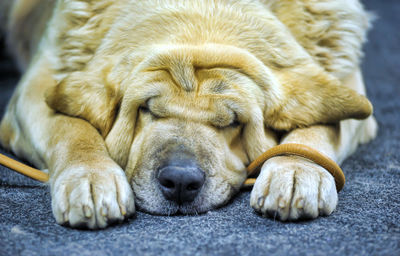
x,y
310,96
87,97
256,137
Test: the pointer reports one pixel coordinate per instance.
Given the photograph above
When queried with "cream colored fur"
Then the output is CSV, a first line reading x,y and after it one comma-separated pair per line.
x,y
112,87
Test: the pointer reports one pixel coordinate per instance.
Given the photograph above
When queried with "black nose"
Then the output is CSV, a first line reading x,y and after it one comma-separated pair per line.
x,y
181,183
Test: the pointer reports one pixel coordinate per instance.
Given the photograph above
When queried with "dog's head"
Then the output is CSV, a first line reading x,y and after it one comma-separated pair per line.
x,y
184,121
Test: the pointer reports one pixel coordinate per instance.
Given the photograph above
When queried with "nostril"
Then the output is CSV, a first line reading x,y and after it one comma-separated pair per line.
x,y
167,183
193,186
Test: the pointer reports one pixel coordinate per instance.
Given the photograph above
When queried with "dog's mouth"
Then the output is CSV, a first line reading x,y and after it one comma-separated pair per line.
x,y
169,208
173,209
151,199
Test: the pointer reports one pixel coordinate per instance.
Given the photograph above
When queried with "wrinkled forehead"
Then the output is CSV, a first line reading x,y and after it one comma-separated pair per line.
x,y
204,95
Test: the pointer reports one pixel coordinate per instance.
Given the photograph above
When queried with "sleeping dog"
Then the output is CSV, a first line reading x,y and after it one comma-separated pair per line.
x,y
162,104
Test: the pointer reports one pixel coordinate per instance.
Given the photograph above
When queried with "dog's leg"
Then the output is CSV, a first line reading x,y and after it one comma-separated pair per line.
x,y
291,187
87,187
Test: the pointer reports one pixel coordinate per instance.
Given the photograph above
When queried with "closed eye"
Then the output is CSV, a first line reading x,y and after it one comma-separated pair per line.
x,y
234,124
144,109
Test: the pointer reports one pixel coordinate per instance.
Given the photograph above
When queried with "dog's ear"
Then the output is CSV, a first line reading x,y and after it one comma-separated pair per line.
x,y
256,137
87,97
309,95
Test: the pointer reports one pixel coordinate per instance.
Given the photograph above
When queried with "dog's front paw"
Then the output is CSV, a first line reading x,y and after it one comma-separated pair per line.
x,y
93,198
292,188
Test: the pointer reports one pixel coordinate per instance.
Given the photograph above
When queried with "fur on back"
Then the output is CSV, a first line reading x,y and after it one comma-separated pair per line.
x,y
331,32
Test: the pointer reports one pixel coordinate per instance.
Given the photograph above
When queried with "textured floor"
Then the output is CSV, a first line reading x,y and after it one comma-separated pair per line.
x,y
366,222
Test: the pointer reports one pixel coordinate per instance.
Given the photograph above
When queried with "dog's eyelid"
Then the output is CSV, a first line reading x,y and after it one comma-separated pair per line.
x,y
144,108
147,111
235,123
145,105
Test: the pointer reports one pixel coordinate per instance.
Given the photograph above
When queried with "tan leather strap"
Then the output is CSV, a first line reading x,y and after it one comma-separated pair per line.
x,y
298,150
23,169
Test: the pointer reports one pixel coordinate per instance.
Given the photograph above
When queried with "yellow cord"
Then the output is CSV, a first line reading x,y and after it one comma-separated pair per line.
x,y
24,169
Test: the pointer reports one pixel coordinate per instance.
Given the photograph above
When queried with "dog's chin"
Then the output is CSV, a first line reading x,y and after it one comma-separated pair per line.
x,y
152,201
171,208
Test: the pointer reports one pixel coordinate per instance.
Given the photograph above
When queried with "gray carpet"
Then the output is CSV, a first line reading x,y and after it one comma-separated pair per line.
x,y
366,222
